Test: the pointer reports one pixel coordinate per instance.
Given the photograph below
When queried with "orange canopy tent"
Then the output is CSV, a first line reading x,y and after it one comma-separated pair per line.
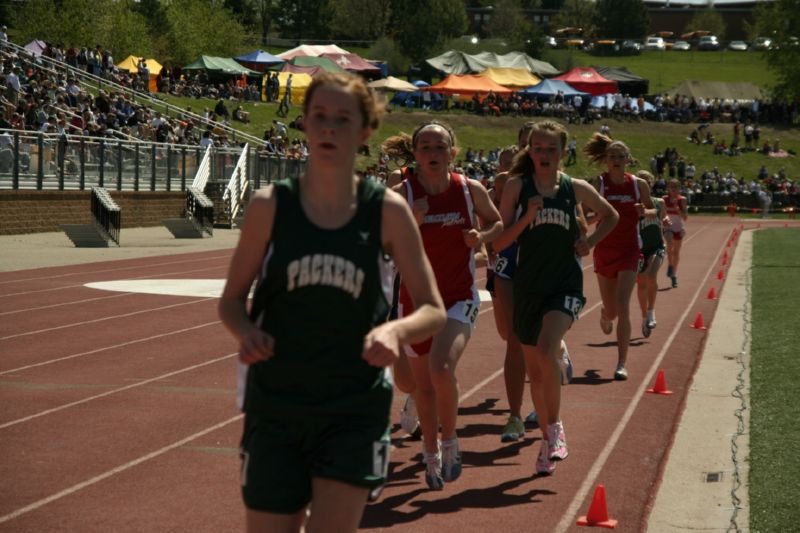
x,y
467,85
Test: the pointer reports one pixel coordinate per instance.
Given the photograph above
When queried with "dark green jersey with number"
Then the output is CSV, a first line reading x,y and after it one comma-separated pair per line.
x,y
320,291
547,261
650,229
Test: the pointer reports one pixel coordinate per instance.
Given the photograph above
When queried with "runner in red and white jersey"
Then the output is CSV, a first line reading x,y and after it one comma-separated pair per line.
x,y
677,211
445,205
617,257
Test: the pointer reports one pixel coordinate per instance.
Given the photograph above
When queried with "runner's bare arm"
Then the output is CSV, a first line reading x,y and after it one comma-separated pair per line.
x,y
508,207
607,215
255,345
401,240
487,213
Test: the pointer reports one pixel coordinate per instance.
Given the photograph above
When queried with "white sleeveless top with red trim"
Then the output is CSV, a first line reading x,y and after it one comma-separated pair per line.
x,y
674,212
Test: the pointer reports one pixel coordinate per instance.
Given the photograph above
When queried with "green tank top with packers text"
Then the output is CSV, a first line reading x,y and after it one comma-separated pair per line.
x,y
319,293
547,260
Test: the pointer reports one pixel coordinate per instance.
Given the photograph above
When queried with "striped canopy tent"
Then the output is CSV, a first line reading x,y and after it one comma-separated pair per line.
x,y
354,63
311,50
297,69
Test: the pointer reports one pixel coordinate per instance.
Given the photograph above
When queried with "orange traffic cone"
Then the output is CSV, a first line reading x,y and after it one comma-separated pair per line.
x,y
725,255
698,322
598,513
661,385
724,259
711,294
721,274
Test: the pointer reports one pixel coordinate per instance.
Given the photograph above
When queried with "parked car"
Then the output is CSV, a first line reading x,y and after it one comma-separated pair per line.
x,y
681,46
655,43
737,46
761,43
630,47
708,42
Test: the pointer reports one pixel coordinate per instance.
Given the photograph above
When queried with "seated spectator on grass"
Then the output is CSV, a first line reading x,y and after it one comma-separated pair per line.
x,y
241,115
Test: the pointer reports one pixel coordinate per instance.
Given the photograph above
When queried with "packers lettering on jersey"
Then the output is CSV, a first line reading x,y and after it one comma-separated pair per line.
x,y
325,269
549,215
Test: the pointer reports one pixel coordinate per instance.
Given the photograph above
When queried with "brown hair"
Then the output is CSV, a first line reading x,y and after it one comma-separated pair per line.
x,y
370,104
600,144
646,176
402,146
523,164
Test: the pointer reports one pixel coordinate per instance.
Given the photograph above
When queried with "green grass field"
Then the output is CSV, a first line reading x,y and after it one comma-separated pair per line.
x,y
774,374
667,69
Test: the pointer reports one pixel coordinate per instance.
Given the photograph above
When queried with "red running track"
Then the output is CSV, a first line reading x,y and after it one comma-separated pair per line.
x,y
118,409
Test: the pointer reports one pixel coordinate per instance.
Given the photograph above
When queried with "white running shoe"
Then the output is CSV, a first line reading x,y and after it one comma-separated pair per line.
x,y
566,365
621,373
451,460
544,466
433,470
409,420
557,442
646,329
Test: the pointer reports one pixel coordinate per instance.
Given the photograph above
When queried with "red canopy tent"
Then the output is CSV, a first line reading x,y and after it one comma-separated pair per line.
x,y
354,63
467,85
587,79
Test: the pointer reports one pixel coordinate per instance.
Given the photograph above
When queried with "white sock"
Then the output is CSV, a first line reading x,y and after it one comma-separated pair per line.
x,y
651,315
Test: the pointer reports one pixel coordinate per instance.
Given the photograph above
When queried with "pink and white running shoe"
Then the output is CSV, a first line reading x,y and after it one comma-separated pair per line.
x,y
557,442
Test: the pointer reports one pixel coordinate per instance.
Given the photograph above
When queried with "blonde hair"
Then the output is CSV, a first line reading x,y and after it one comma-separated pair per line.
x,y
371,105
599,145
523,164
646,176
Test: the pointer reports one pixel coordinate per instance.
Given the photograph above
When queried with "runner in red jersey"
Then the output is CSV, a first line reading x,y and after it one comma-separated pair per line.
x,y
616,258
445,205
678,212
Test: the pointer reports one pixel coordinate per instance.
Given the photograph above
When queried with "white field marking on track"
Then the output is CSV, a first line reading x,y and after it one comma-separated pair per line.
x,y
211,288
152,276
104,348
84,272
65,303
121,468
85,322
568,519
115,391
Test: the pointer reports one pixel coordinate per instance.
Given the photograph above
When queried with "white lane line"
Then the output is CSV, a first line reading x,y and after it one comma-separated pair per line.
x,y
151,276
121,468
65,303
132,267
569,517
115,391
113,317
104,348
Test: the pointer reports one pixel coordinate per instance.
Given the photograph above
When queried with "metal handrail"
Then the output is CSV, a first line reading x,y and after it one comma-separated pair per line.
x,y
203,171
155,102
237,185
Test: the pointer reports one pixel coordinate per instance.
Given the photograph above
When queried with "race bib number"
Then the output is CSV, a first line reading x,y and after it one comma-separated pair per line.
x,y
471,311
380,458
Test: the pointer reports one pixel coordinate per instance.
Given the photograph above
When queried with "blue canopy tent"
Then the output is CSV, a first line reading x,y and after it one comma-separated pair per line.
x,y
416,98
258,60
547,88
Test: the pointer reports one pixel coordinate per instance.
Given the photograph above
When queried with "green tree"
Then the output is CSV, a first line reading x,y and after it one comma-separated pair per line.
x,y
265,9
622,19
387,50
363,20
577,14
708,20
114,25
424,25
201,27
780,21
304,19
508,23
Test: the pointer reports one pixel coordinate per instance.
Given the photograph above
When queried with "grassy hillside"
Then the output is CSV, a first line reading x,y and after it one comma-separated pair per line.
x,y
667,69
644,138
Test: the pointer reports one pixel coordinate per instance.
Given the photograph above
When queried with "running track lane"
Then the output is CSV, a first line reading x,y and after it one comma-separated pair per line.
x,y
140,433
